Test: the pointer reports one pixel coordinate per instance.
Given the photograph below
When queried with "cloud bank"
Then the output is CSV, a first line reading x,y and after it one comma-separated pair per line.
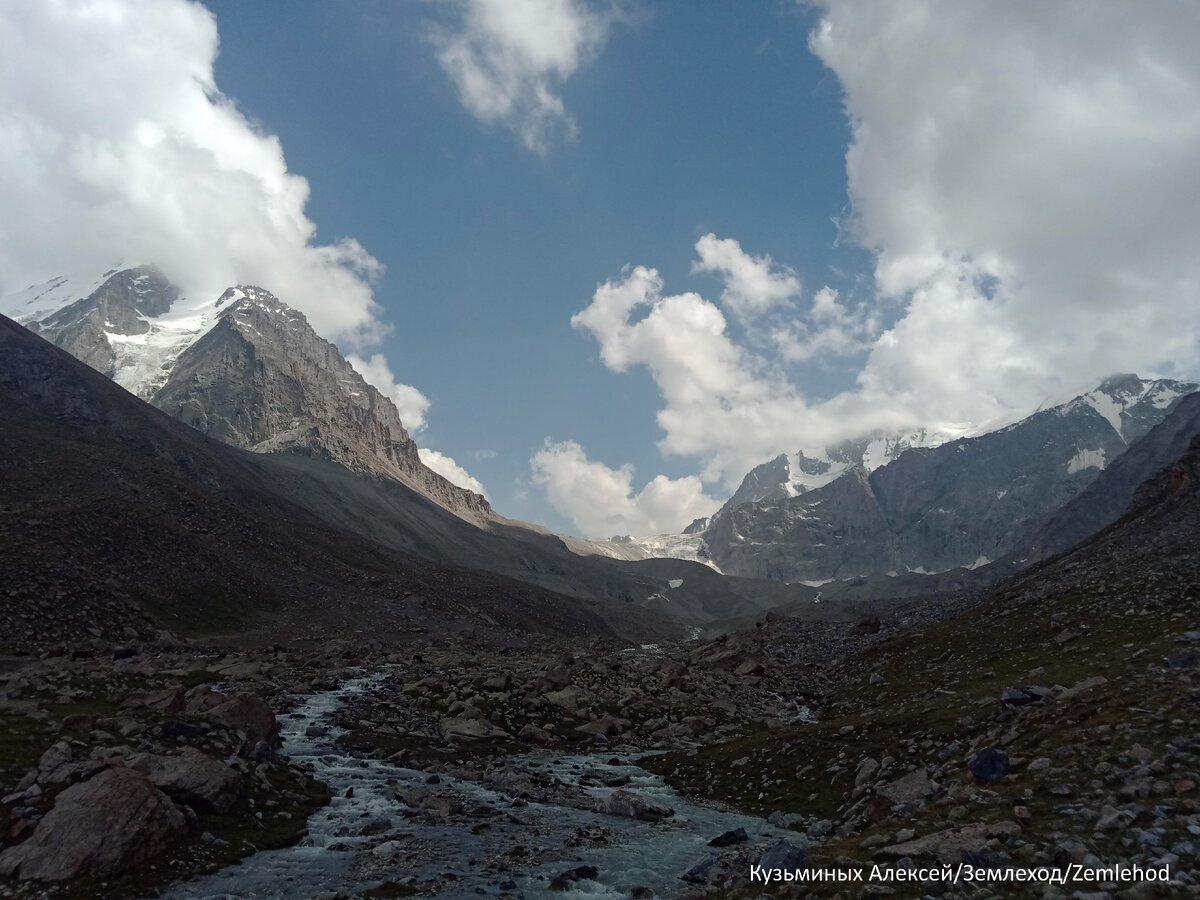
x,y
601,500
509,58
1025,179
116,145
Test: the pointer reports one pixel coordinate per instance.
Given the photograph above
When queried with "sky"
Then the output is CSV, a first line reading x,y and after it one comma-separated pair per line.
x,y
607,256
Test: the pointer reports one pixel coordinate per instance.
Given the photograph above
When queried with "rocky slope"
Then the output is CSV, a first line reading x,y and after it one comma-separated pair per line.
x,y
118,520
960,504
243,367
1046,724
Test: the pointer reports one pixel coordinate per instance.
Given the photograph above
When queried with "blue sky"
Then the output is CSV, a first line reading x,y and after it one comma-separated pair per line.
x,y
697,118
609,225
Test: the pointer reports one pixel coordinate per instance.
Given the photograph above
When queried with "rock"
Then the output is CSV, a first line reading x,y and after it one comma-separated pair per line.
x,y
1181,659
634,806
866,772
169,700
909,788
729,838
1082,687
784,855
949,845
564,881
460,729
192,777
245,713
532,734
81,836
877,680
1016,697
989,765
609,726
55,756
820,829
567,698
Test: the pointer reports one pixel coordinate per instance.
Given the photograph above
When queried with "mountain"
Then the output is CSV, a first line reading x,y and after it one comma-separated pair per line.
x,y
960,504
116,520
243,367
1108,497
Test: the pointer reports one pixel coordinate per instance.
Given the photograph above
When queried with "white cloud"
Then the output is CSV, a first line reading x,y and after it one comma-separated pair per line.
x,y
509,58
1026,180
751,287
724,404
451,471
601,500
116,144
832,330
411,403
1026,177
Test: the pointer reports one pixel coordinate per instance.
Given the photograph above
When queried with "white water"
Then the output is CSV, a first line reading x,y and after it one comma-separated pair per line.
x,y
448,859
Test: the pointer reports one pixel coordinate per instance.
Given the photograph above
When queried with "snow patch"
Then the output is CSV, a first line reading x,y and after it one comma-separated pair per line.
x,y
1085,459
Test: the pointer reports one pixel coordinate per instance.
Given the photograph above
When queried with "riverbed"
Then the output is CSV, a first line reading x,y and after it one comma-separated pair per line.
x,y
490,844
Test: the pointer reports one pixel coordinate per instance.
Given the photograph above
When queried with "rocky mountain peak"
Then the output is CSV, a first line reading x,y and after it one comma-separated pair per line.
x,y
244,368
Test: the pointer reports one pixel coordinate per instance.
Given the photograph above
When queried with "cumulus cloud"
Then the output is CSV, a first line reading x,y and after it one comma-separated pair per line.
x,y
753,284
601,501
116,144
411,403
451,471
725,404
509,59
1026,182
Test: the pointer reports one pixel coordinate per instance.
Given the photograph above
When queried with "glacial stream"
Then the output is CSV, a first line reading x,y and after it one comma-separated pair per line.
x,y
468,857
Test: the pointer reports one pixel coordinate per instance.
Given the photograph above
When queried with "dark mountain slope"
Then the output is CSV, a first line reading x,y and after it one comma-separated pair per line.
x,y
1108,497
114,516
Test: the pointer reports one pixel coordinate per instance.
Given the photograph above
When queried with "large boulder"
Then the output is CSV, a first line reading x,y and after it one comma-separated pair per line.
x,y
101,827
634,806
461,729
203,783
238,712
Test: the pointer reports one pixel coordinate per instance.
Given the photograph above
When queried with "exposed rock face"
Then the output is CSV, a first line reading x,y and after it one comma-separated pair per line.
x,y
238,712
192,777
1108,497
262,379
120,305
100,827
962,503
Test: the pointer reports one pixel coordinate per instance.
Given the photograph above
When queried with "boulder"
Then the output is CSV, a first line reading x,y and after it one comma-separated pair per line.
x,y
462,729
634,806
729,838
909,788
238,712
989,765
784,855
566,880
101,827
606,725
948,846
203,783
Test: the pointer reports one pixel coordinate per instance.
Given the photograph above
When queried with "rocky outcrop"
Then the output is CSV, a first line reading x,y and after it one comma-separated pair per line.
x,y
240,712
193,778
262,379
104,826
